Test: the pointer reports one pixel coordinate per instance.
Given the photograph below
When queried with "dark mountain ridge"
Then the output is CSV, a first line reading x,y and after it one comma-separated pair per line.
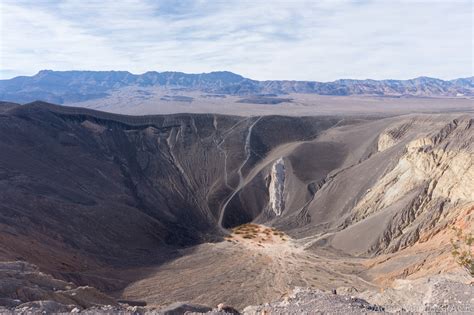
x,y
75,86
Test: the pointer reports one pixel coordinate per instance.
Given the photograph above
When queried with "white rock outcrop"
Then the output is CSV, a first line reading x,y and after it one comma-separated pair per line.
x,y
277,187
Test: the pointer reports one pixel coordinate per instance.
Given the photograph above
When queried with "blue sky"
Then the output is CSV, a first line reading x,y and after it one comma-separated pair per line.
x,y
302,40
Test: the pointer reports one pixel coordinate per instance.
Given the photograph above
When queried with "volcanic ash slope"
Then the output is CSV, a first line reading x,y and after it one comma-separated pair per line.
x,y
240,210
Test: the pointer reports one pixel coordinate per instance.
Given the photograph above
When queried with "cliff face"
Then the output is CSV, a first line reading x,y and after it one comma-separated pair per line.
x,y
441,161
436,171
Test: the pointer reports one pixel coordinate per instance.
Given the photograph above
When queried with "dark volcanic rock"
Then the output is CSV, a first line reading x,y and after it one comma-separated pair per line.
x,y
179,308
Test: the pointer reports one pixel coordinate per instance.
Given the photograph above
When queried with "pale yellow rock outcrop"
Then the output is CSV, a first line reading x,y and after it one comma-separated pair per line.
x,y
441,162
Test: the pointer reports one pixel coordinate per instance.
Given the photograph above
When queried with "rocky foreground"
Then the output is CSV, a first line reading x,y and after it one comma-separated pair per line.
x,y
26,290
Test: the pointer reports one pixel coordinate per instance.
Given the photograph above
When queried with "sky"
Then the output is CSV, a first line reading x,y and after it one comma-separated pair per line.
x,y
265,40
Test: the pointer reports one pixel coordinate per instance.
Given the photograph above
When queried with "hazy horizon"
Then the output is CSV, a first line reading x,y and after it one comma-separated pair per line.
x,y
193,73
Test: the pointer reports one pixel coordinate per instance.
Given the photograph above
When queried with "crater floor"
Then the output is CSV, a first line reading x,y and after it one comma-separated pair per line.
x,y
253,258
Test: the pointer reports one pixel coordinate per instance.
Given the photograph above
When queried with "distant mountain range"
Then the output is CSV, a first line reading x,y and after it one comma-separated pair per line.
x,y
75,86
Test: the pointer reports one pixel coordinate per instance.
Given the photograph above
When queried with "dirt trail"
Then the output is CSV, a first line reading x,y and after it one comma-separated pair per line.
x,y
248,152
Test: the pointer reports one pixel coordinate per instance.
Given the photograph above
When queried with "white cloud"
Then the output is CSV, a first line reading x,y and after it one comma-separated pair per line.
x,y
305,40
